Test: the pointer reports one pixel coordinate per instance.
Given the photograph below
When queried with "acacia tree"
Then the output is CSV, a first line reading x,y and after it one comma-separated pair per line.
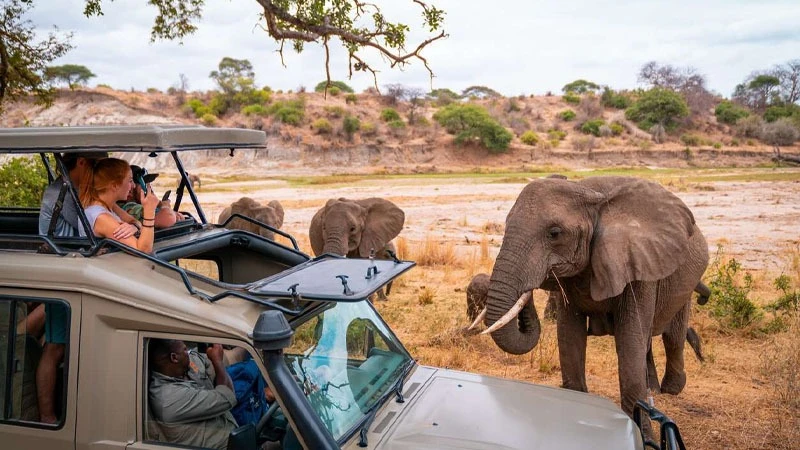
x,y
23,57
71,74
758,91
357,25
580,86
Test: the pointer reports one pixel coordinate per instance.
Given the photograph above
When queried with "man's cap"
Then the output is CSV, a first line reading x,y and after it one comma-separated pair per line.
x,y
87,155
141,177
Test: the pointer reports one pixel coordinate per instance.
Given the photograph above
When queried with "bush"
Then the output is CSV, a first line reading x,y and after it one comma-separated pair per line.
x,y
472,123
691,140
334,111
729,295
557,135
396,124
729,112
774,113
322,126
750,127
289,112
584,143
22,182
657,105
208,119
254,110
529,138
340,85
351,124
572,98
368,129
567,115
351,99
592,127
389,115
197,107
780,132
617,128
612,99
334,91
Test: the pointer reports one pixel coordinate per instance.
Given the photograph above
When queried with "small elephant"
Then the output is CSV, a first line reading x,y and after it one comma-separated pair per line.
x,y
619,249
272,215
194,179
355,228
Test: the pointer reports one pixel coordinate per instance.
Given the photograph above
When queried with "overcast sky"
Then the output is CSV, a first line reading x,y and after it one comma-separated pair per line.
x,y
512,46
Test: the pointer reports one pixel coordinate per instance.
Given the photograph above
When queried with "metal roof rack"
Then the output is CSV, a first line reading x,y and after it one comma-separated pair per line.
x,y
128,138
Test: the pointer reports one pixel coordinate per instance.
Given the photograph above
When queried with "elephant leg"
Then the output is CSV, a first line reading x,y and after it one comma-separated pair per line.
x,y
571,330
633,325
675,375
652,372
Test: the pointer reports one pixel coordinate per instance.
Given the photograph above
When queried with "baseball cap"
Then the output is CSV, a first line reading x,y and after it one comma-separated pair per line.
x,y
87,155
141,177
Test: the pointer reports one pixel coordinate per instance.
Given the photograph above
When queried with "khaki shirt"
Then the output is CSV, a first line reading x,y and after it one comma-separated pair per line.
x,y
193,411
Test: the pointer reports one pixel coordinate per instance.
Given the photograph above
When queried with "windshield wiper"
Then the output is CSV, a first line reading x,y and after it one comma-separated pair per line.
x,y
373,411
398,387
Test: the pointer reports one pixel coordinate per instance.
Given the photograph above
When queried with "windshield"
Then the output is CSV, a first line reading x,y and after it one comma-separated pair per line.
x,y
346,359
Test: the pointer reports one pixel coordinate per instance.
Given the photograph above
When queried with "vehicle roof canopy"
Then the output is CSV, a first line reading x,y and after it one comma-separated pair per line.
x,y
138,138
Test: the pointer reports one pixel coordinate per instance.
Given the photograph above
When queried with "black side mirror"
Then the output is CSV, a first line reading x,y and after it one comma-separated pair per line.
x,y
243,438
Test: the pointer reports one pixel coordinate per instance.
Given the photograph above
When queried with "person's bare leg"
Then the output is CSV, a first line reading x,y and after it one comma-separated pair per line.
x,y
46,374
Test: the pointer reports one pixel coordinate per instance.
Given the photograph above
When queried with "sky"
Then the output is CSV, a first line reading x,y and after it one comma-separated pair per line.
x,y
512,46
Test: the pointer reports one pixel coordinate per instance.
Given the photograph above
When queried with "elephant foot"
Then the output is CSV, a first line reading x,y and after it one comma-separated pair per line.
x,y
575,387
673,384
653,385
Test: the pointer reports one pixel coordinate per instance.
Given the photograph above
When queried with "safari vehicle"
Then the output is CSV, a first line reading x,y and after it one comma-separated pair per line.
x,y
341,377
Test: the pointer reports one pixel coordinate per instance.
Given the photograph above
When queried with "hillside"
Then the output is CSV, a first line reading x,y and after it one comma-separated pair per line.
x,y
423,146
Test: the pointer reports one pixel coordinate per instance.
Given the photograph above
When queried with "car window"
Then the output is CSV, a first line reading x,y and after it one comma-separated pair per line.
x,y
34,339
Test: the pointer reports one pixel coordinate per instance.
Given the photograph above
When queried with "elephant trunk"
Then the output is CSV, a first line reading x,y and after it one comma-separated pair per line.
x,y
505,288
336,243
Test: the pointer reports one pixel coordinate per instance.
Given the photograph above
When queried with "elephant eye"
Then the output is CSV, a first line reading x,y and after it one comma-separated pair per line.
x,y
353,229
553,233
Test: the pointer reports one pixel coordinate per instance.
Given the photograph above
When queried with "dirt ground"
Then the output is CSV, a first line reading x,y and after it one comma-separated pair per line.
x,y
734,400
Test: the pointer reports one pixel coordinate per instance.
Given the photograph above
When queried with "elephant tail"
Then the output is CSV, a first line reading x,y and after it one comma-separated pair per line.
x,y
694,341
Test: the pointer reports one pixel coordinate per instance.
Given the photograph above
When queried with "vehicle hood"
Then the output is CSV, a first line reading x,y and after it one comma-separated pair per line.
x,y
458,410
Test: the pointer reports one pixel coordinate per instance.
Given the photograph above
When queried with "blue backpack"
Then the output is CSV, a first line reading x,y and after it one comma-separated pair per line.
x,y
249,387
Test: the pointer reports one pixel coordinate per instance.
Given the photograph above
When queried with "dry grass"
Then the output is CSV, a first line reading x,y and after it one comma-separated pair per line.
x,y
434,252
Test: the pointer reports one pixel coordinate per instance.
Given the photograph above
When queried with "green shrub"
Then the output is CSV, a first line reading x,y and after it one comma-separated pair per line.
x,y
617,128
389,115
613,99
729,303
657,106
691,140
729,112
368,129
104,86
334,91
351,124
776,112
572,98
470,123
592,127
351,98
219,104
340,85
334,111
22,182
254,110
322,126
557,135
717,145
567,115
396,124
529,138
208,119
789,301
290,112
197,107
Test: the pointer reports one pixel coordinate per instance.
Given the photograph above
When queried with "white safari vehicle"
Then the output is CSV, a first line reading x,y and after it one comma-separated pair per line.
x,y
339,375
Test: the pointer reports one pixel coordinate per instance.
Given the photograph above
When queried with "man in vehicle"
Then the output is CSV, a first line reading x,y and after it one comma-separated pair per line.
x,y
165,216
191,395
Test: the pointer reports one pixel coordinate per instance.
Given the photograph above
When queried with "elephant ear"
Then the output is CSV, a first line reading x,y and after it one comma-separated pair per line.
x,y
278,209
641,233
315,235
384,221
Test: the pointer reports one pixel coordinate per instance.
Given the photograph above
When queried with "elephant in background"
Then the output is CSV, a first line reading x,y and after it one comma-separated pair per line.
x,y
272,215
355,228
194,179
623,251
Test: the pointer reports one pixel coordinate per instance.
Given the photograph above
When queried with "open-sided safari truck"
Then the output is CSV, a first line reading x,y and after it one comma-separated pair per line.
x,y
341,378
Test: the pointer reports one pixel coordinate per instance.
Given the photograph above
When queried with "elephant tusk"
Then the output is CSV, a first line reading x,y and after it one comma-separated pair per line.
x,y
479,319
523,299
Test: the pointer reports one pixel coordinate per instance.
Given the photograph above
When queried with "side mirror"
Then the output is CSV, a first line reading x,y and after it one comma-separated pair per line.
x,y
243,438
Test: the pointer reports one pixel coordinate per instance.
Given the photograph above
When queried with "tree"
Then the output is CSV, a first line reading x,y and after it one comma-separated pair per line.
x,y
480,92
789,76
472,123
23,57
758,91
323,85
71,74
580,87
657,106
234,75
685,80
357,25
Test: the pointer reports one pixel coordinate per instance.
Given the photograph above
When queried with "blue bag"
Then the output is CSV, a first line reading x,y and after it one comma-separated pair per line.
x,y
249,386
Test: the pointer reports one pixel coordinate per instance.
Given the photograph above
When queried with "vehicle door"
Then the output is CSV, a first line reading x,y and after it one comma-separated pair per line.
x,y
39,333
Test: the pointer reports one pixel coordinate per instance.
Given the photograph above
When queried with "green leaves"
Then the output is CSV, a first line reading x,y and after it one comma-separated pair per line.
x,y
22,183
657,106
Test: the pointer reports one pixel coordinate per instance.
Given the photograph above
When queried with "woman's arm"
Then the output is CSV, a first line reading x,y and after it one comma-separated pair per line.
x,y
105,225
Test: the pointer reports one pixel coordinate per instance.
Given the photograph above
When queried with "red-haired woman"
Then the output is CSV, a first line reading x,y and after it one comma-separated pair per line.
x,y
110,180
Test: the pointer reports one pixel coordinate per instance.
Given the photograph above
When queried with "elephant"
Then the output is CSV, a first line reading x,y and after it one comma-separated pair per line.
x,y
625,253
194,179
356,228
272,215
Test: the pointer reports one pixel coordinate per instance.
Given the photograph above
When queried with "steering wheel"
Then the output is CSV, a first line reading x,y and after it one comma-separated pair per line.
x,y
262,422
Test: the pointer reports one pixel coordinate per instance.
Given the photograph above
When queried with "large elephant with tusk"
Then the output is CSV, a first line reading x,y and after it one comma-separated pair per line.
x,y
625,254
